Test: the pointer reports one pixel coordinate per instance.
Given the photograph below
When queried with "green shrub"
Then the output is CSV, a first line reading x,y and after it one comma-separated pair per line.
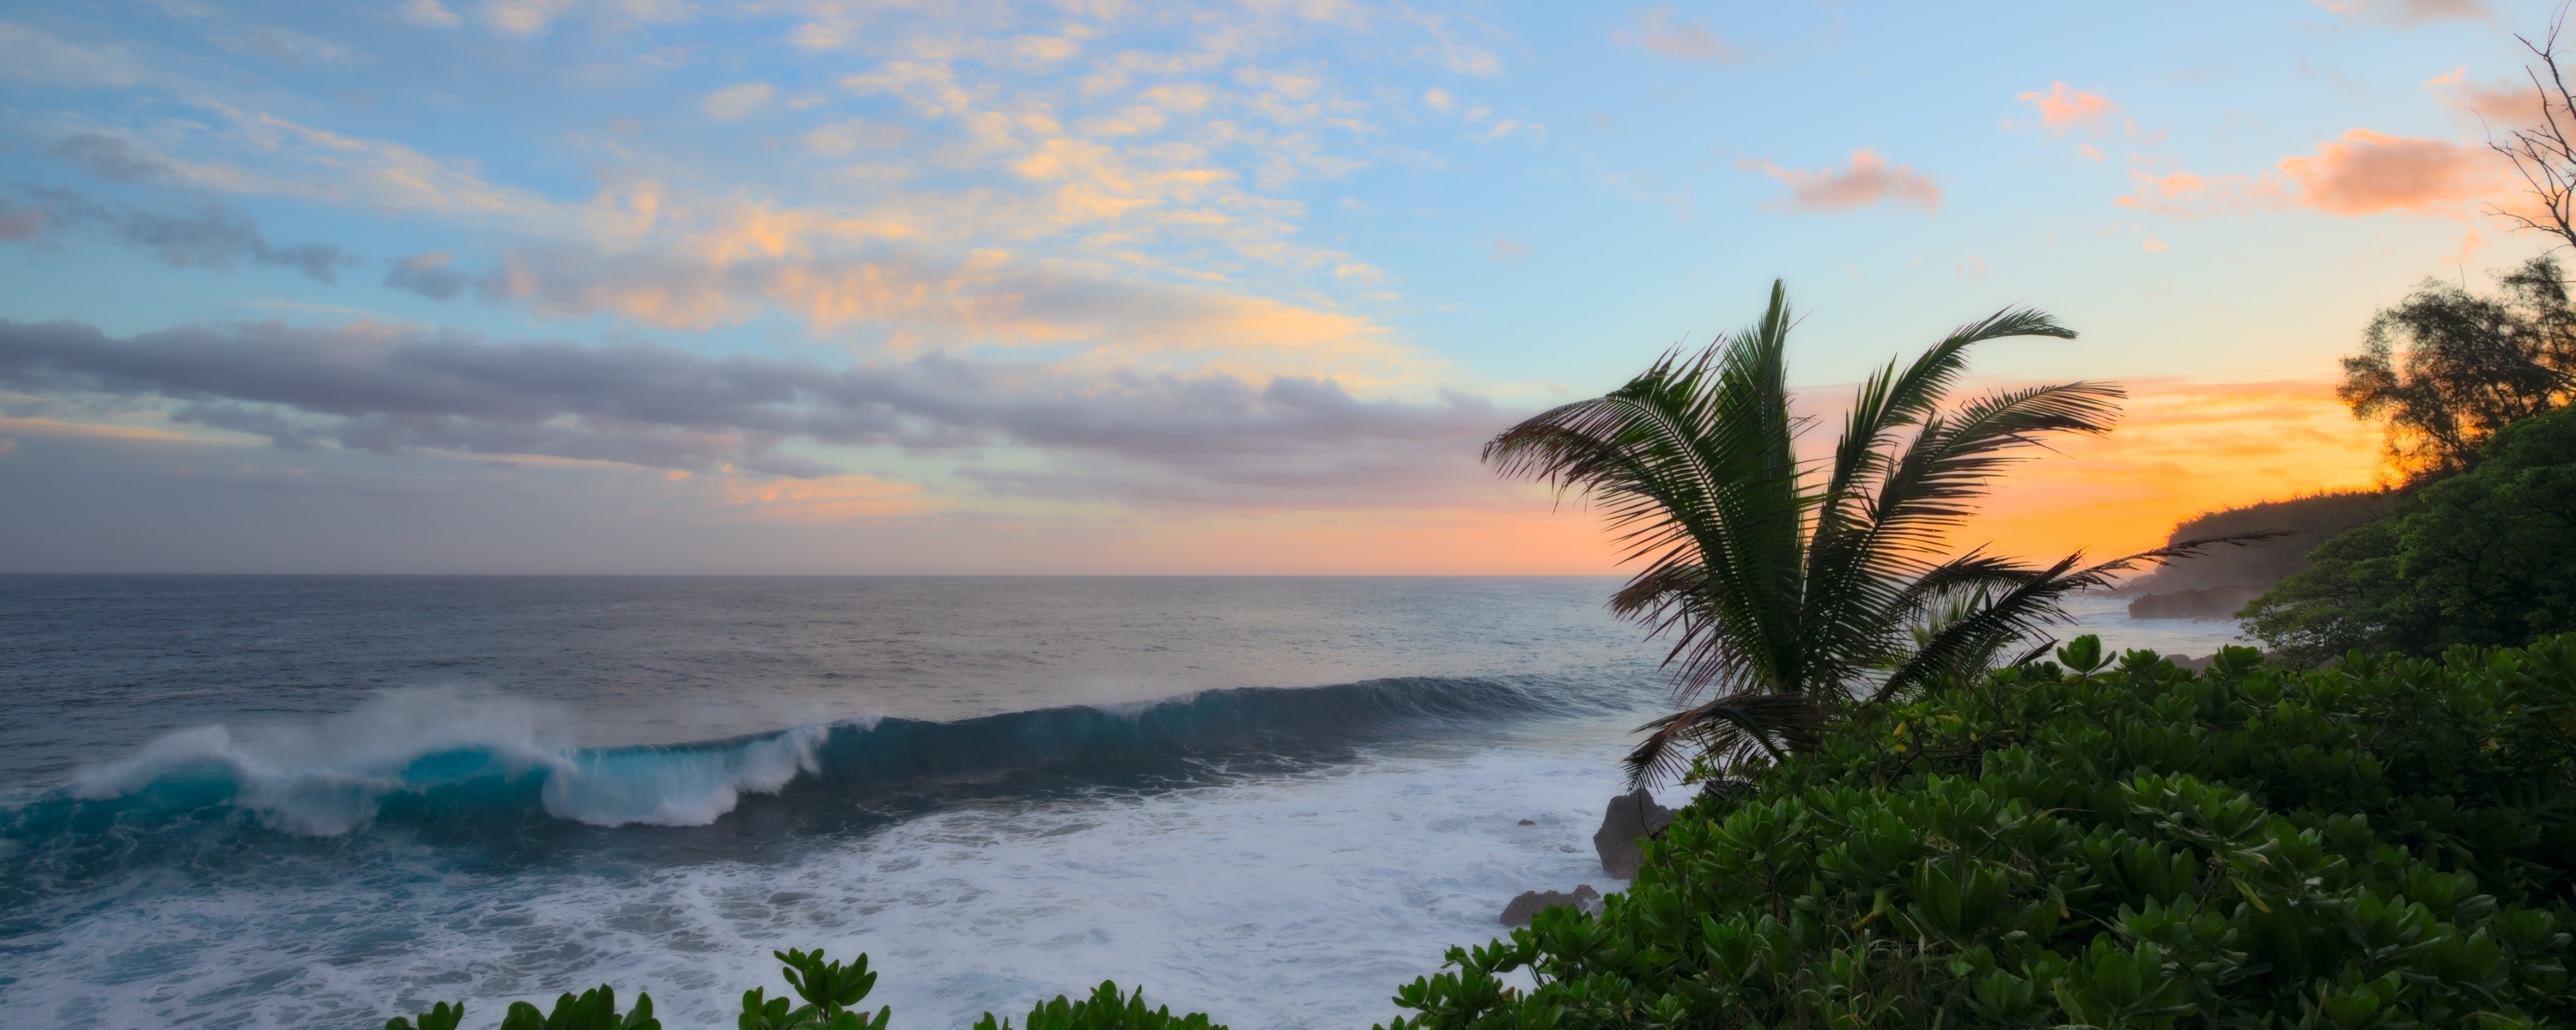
x,y
1104,1010
2384,845
594,1009
831,992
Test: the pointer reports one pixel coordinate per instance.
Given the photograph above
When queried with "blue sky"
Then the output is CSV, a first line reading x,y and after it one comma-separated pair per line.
x,y
1097,287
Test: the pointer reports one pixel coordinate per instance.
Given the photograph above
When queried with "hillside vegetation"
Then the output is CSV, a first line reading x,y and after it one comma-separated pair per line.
x,y
2387,844
2486,556
2214,585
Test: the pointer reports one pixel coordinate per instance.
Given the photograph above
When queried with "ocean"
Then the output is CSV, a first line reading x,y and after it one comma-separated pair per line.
x,y
264,801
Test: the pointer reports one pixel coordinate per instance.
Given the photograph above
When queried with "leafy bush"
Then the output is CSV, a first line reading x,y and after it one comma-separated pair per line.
x,y
1104,1010
2384,845
831,992
594,1009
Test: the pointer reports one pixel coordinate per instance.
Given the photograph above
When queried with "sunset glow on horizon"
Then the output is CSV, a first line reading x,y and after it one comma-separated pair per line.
x,y
655,286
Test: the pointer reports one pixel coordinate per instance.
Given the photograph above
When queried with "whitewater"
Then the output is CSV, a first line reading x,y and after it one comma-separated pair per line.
x,y
317,802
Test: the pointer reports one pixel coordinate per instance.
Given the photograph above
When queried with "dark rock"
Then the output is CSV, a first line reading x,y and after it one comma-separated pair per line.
x,y
1633,816
1529,822
1531,903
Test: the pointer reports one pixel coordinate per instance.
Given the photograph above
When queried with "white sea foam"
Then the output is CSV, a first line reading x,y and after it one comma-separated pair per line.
x,y
661,787
330,778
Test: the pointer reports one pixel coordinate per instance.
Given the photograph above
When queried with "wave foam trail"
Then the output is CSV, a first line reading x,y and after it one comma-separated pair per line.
x,y
451,767
329,779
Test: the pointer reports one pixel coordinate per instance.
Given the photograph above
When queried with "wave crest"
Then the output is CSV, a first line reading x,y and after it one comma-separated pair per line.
x,y
478,769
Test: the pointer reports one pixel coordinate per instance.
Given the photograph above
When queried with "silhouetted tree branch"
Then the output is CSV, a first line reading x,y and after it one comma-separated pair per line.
x,y
2543,154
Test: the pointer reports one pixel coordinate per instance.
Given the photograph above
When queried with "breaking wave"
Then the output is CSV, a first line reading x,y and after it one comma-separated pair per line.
x,y
460,769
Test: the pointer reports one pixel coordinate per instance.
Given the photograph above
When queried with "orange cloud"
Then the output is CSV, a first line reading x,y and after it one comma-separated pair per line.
x,y
1867,181
827,499
2508,105
2370,172
2061,108
2364,173
1533,536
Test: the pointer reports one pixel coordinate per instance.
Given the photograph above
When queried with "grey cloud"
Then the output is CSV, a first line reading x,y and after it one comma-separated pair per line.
x,y
1157,438
282,432
112,159
216,236
187,234
428,275
206,235
20,223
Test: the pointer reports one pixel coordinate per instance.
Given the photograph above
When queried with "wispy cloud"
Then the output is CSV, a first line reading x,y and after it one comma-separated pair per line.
x,y
2364,173
430,12
2368,172
737,101
113,159
1664,32
38,56
1017,177
182,228
429,274
198,235
1866,182
2502,105
2063,108
2409,12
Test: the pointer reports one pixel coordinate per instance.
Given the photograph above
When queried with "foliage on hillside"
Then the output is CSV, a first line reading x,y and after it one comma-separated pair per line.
x,y
2303,523
2446,369
2389,844
2486,557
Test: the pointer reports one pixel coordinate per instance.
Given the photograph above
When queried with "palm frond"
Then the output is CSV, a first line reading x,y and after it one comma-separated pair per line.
x,y
1693,466
1856,553
2036,601
1956,455
1730,729
1889,401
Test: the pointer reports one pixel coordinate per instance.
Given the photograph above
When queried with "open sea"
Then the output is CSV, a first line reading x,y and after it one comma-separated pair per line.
x,y
321,801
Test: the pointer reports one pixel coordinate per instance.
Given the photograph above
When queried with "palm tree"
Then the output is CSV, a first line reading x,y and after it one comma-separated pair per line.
x,y
1793,590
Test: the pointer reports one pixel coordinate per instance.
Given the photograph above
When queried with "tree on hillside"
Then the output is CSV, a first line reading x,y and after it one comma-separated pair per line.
x,y
2446,368
2485,557
1792,590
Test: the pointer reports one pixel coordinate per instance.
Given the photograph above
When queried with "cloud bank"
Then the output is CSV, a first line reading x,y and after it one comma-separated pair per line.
x,y
1120,435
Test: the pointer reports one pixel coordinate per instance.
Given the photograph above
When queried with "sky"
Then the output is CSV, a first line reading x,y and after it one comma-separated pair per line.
x,y
814,286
